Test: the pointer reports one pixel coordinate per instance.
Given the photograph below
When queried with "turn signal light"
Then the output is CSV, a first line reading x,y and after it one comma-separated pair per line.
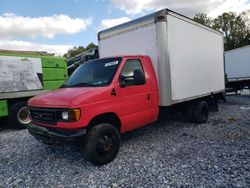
x,y
74,114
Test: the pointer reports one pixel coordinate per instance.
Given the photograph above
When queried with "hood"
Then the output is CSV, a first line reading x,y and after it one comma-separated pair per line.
x,y
60,97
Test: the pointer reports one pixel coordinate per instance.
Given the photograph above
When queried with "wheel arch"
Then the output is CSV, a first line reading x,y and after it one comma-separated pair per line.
x,y
16,100
108,117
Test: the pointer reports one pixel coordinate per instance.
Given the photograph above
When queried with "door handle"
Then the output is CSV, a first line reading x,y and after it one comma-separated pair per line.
x,y
149,97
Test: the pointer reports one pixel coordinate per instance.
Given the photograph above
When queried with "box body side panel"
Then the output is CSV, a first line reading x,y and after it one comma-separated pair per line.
x,y
196,60
237,63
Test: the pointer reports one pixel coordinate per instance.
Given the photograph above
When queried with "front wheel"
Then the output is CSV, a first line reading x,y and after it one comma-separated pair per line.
x,y
19,116
102,144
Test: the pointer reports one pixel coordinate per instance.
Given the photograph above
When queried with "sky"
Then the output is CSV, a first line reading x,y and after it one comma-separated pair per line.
x,y
58,25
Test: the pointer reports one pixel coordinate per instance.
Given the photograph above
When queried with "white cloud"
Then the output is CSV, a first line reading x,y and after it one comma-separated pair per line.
x,y
190,8
31,46
132,6
107,23
13,26
231,5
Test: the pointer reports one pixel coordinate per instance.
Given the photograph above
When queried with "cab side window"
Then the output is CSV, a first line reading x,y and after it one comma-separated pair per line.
x,y
132,74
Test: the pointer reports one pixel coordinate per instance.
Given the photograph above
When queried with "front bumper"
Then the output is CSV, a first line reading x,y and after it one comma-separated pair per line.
x,y
53,135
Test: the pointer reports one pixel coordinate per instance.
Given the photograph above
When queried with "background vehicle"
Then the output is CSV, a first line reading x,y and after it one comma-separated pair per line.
x,y
163,61
74,62
24,75
237,65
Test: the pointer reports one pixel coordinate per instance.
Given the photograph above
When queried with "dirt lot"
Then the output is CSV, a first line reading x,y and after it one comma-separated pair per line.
x,y
169,152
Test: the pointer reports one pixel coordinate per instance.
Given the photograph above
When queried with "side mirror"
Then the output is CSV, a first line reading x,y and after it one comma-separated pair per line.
x,y
125,80
138,78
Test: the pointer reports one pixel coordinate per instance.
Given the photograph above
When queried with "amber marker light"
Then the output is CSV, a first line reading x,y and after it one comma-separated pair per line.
x,y
74,114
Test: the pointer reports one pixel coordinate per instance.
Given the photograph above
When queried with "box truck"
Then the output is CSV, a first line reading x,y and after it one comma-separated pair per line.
x,y
24,75
160,61
237,67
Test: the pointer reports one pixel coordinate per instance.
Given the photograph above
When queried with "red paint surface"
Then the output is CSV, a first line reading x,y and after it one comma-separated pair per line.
x,y
131,104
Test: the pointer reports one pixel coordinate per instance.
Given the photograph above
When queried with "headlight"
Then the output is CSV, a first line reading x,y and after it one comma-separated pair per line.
x,y
65,115
71,115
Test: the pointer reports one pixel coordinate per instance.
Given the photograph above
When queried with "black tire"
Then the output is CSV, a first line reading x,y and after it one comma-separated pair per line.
x,y
201,112
102,144
17,115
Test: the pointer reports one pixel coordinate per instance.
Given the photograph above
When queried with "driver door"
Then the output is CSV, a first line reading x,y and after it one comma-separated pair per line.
x,y
133,98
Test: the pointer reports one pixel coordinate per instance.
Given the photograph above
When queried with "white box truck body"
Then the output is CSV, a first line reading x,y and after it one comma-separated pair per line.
x,y
187,56
237,63
237,68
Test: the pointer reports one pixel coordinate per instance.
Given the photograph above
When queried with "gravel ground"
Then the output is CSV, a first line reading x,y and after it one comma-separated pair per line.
x,y
167,153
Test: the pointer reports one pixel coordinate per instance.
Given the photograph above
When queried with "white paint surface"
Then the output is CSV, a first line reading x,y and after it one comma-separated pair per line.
x,y
196,59
19,74
237,63
141,41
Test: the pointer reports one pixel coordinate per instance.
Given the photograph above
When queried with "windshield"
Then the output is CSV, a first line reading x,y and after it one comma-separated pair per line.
x,y
94,73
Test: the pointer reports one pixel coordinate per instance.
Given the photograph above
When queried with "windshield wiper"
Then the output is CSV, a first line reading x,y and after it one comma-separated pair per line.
x,y
64,86
80,85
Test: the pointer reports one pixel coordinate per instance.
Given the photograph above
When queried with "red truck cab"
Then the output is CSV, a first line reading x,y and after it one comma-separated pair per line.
x,y
100,100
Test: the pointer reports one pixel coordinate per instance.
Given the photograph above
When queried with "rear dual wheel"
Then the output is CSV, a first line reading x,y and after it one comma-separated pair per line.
x,y
201,112
197,112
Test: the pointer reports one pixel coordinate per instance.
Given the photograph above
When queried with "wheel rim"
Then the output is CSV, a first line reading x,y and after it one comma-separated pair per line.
x,y
105,144
23,116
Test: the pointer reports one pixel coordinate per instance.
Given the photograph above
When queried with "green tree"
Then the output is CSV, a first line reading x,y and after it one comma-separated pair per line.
x,y
235,28
77,50
90,46
203,19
